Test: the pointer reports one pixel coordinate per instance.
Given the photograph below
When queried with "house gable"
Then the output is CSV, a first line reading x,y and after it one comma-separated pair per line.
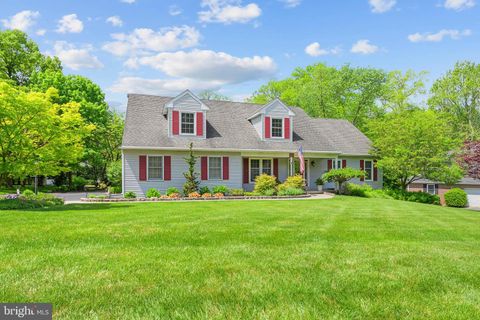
x,y
274,121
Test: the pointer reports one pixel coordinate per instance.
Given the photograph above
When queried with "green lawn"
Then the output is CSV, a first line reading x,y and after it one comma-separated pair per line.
x,y
344,258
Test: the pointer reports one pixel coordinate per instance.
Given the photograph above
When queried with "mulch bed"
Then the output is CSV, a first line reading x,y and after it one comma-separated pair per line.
x,y
190,199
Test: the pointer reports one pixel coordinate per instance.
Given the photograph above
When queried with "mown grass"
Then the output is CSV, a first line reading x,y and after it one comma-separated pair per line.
x,y
345,258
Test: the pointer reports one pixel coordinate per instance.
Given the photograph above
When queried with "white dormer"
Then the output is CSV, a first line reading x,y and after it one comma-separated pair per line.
x,y
186,115
274,122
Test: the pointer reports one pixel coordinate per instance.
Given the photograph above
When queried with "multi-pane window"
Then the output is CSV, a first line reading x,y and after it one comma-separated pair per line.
x,y
187,123
214,168
259,166
155,167
277,128
431,189
368,170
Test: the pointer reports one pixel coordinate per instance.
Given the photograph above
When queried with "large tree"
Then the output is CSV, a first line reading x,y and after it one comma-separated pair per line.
x,y
402,91
38,136
458,94
323,91
20,58
414,144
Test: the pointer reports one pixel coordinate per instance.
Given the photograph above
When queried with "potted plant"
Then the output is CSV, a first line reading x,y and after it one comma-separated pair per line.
x,y
319,183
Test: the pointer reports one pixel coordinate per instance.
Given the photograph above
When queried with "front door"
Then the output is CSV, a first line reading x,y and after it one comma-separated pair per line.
x,y
306,174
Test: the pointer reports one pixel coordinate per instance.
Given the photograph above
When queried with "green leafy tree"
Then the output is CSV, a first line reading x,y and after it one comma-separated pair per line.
x,y
213,95
458,94
413,144
114,173
192,183
402,91
20,58
340,176
38,136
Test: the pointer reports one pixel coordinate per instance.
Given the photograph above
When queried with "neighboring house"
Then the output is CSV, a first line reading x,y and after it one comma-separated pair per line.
x,y
234,143
469,185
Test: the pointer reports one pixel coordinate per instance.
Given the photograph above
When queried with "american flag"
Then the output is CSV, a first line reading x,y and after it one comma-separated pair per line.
x,y
302,160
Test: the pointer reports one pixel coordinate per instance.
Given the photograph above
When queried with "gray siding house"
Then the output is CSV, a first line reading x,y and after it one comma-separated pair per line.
x,y
234,143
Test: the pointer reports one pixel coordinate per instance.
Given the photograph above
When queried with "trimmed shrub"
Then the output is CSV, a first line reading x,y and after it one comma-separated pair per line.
x,y
263,183
340,176
153,193
251,194
204,189
206,195
28,193
358,190
420,197
237,192
456,197
220,189
194,195
29,201
78,183
291,191
172,190
218,195
130,195
174,195
269,192
295,181
114,190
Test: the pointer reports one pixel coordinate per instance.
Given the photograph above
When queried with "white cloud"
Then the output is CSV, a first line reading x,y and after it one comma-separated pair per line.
x,y
174,10
459,4
161,86
228,11
143,41
23,20
128,1
70,24
207,65
314,50
381,6
115,21
41,32
364,47
437,37
76,58
291,3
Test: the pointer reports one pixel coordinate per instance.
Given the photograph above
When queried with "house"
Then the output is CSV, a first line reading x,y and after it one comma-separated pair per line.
x,y
234,142
470,185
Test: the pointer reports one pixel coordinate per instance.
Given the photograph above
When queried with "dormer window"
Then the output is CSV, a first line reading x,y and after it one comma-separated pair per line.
x,y
277,128
187,125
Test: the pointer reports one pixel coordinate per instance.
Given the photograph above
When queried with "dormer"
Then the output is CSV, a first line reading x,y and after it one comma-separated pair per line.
x,y
187,116
274,122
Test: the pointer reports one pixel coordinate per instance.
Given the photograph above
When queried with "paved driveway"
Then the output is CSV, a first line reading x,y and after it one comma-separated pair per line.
x,y
74,197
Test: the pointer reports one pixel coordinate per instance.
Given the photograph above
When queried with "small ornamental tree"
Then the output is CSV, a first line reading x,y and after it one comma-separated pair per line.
x,y
471,158
192,183
340,176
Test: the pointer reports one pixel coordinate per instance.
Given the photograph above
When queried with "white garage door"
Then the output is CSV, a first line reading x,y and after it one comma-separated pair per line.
x,y
473,196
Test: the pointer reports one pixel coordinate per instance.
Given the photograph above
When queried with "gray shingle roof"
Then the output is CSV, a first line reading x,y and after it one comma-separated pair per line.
x,y
464,181
228,128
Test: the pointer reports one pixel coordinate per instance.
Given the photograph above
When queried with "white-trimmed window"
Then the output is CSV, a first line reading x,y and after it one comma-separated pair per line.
x,y
431,188
155,167
214,168
187,123
259,166
277,128
368,167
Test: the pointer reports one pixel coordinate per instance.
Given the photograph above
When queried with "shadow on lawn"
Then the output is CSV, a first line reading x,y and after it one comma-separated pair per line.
x,y
77,207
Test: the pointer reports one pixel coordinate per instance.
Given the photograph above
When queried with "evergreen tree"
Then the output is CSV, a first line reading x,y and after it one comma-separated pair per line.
x,y
192,183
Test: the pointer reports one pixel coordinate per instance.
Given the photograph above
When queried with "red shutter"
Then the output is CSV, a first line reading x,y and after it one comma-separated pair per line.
x,y
375,171
226,168
245,170
204,174
275,167
287,128
142,168
344,163
329,164
167,168
199,123
362,167
267,127
175,123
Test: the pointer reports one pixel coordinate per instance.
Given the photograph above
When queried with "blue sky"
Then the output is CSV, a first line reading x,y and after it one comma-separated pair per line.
x,y
234,46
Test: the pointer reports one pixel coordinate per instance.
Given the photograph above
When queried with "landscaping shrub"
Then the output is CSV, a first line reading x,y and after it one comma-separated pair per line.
x,y
130,195
340,176
204,189
78,183
237,192
94,196
220,189
420,197
29,201
269,192
291,191
358,190
114,190
153,193
219,195
28,193
456,197
251,194
172,190
194,195
174,195
263,183
207,195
